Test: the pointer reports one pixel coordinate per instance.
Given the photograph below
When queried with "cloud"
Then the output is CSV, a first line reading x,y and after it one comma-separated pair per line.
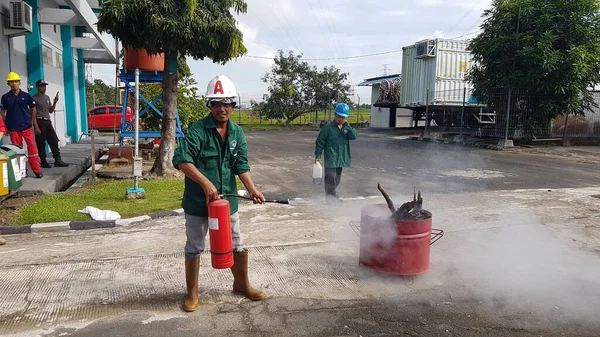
x,y
334,28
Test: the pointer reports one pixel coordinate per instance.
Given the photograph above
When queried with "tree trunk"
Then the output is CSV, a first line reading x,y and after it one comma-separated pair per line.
x,y
163,165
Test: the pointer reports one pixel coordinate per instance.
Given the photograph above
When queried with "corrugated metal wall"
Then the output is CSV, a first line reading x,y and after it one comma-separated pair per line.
x,y
443,75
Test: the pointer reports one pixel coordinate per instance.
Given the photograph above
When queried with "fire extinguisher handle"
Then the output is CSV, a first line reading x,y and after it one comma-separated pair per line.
x,y
285,202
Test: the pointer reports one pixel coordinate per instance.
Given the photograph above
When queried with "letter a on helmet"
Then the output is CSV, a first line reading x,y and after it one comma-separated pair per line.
x,y
219,88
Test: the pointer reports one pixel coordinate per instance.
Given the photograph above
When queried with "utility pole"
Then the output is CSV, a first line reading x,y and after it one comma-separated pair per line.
x,y
506,142
385,69
358,119
137,192
239,110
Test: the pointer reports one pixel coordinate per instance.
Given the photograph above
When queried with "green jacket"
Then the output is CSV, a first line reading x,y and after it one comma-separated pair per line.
x,y
336,144
202,147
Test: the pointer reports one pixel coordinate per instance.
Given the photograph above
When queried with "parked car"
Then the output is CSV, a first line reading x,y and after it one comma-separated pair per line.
x,y
108,117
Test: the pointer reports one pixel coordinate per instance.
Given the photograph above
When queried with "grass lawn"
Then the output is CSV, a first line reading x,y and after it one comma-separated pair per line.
x,y
161,195
261,127
251,118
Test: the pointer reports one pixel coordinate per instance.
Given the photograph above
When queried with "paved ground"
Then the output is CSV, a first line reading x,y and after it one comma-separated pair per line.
x,y
522,239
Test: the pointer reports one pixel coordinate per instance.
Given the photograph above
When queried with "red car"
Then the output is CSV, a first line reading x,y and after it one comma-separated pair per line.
x,y
108,117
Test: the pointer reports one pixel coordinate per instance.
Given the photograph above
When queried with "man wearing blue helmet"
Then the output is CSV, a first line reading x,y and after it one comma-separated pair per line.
x,y
334,139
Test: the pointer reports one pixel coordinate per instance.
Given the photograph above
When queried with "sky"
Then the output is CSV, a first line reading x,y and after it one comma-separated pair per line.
x,y
333,29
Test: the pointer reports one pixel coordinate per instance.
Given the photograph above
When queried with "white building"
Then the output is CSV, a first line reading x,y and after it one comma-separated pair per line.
x,y
53,40
386,115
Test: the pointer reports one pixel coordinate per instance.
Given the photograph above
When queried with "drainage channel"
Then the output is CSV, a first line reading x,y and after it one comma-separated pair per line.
x,y
85,176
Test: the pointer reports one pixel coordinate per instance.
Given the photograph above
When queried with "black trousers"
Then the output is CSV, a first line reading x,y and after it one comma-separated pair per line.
x,y
48,135
333,176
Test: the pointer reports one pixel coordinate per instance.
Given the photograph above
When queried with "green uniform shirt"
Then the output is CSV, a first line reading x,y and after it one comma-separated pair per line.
x,y
336,144
219,161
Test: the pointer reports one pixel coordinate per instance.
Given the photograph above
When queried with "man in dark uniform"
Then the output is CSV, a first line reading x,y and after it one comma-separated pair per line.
x,y
48,134
17,108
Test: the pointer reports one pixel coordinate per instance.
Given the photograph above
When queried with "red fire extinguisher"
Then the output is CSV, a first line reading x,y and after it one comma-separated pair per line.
x,y
219,229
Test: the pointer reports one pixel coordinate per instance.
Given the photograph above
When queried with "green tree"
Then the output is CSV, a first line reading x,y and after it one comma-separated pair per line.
x,y
205,29
296,88
99,93
190,104
547,49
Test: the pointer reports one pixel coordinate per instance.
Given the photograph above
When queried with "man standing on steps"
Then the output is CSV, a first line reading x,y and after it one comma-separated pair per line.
x,y
17,108
212,153
334,139
48,134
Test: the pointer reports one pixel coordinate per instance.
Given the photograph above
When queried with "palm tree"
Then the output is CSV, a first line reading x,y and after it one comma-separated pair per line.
x,y
177,28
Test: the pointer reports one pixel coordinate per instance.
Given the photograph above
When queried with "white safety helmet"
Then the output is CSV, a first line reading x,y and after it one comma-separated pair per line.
x,y
221,89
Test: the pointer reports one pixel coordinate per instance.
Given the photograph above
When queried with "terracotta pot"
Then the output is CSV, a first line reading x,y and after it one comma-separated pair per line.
x,y
139,58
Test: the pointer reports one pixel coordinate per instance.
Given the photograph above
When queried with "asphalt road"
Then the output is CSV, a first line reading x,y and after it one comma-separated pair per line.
x,y
282,163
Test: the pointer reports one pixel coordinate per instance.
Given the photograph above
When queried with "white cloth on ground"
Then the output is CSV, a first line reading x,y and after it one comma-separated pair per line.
x,y
98,214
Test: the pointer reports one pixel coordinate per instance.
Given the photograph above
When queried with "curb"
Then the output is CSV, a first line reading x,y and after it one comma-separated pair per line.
x,y
84,225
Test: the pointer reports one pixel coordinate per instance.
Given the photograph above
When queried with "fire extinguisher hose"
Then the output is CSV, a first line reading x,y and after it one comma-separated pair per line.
x,y
284,202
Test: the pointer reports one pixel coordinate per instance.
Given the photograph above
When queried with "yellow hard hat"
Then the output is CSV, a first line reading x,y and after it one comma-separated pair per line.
x,y
12,76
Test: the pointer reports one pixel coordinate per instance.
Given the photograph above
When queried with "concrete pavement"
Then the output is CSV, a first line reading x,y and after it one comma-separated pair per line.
x,y
521,238
517,273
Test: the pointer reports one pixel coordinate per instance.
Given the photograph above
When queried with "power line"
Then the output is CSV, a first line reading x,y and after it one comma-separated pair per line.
x,y
333,25
285,30
331,58
258,43
354,56
327,24
319,24
466,34
464,16
269,28
289,25
475,23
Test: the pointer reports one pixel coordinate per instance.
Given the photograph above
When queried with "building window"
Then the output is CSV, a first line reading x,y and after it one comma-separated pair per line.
x,y
59,63
47,54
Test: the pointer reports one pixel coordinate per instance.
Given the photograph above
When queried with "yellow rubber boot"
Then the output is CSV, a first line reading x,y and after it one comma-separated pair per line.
x,y
241,284
192,267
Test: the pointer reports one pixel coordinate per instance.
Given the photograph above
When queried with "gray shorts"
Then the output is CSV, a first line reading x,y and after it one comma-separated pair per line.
x,y
196,228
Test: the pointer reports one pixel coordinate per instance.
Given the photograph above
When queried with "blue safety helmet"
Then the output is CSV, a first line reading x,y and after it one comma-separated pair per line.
x,y
343,110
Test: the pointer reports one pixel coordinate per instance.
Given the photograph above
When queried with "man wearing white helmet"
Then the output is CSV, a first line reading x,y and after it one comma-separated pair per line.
x,y
212,153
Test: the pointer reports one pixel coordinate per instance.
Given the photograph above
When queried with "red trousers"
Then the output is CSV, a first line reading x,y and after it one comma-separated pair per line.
x,y
16,137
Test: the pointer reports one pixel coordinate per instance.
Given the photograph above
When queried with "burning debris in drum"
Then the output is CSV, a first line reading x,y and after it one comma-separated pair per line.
x,y
412,210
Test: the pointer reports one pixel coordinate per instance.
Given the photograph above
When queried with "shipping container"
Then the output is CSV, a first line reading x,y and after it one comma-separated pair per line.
x,y
434,70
